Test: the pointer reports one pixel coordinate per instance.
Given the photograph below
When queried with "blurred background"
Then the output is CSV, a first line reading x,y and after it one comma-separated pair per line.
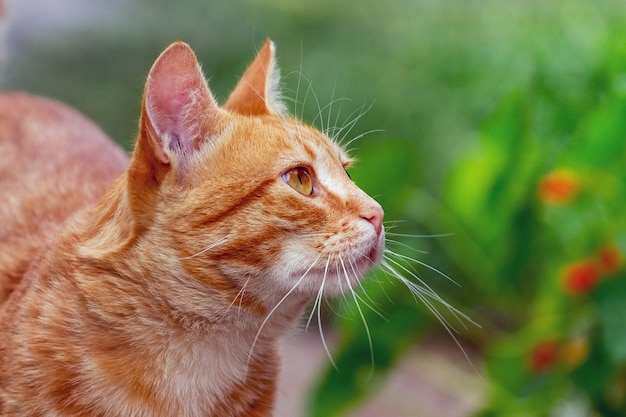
x,y
493,133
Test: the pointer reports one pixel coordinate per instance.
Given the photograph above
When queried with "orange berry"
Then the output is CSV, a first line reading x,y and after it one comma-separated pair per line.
x,y
610,258
575,351
543,356
581,277
558,187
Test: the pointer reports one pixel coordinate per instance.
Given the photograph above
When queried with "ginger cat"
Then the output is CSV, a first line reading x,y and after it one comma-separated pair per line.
x,y
161,286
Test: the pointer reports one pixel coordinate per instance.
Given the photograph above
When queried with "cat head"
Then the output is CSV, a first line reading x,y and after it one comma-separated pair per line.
x,y
245,195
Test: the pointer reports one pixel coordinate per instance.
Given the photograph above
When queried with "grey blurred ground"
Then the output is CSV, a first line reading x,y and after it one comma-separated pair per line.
x,y
434,380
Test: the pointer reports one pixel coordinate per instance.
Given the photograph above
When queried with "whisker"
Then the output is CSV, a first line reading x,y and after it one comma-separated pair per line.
x,y
269,315
319,107
211,246
367,329
238,296
350,123
331,307
424,264
330,106
326,349
418,236
318,303
397,242
295,106
318,298
394,221
368,305
362,135
336,128
327,130
445,324
425,290
343,293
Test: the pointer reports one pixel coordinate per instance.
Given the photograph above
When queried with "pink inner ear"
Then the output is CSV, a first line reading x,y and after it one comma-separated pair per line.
x,y
177,101
254,94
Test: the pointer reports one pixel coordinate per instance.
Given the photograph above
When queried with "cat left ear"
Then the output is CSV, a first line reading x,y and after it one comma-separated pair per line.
x,y
178,106
257,92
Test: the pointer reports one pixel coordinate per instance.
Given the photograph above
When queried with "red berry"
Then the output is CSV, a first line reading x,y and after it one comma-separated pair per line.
x,y
581,277
543,356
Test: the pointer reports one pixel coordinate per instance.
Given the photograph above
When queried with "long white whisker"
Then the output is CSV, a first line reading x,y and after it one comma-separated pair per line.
x,y
211,246
309,84
343,293
368,305
326,129
397,242
426,289
349,124
317,102
295,106
446,325
293,288
418,236
238,296
318,303
361,135
318,298
432,268
367,329
335,128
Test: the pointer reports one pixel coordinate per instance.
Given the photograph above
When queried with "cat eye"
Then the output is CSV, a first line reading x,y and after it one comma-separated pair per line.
x,y
300,180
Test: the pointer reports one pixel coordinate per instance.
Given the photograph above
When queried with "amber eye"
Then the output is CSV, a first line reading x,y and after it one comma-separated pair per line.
x,y
300,180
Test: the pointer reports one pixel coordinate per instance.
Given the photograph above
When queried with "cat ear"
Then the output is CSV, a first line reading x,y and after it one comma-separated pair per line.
x,y
257,91
178,105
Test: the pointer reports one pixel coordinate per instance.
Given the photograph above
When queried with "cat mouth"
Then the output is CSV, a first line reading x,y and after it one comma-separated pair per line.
x,y
373,256
376,253
332,274
369,258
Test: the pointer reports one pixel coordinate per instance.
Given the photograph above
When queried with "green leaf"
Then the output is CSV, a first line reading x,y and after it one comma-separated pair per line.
x,y
611,303
489,192
595,373
600,140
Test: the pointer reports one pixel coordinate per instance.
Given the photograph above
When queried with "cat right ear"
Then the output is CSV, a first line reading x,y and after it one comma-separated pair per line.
x,y
178,108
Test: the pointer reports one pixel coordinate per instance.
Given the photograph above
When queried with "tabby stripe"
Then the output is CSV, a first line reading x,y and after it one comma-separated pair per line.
x,y
253,195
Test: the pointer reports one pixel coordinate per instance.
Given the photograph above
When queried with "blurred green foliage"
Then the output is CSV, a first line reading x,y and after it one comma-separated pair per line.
x,y
504,124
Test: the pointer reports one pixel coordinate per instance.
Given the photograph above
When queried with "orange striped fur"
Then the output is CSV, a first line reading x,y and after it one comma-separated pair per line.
x,y
160,286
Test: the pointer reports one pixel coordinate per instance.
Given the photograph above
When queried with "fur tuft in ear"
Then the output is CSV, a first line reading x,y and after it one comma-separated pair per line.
x,y
178,104
257,92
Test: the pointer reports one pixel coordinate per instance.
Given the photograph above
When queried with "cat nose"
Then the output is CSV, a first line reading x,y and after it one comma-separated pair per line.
x,y
374,214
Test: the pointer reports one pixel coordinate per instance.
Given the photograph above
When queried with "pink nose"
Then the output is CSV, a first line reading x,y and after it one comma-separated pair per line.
x,y
374,214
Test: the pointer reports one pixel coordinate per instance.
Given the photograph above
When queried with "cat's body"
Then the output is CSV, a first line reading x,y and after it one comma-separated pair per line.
x,y
53,162
167,296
